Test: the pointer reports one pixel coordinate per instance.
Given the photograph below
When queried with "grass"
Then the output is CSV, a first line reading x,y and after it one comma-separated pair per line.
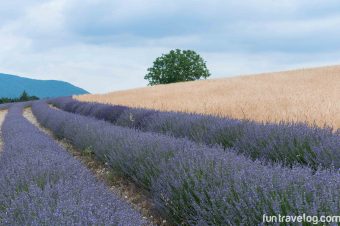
x,y
305,95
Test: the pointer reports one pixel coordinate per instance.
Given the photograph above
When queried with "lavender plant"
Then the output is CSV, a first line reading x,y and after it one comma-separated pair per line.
x,y
199,185
4,106
288,143
41,184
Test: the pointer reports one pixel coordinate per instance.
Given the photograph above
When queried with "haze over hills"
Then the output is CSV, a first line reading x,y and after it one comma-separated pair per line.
x,y
11,86
305,95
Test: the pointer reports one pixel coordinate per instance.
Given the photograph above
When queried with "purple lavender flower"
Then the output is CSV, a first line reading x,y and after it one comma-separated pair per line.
x,y
42,184
199,185
287,143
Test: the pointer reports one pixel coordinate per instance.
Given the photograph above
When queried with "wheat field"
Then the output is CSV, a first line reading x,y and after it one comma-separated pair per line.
x,y
304,95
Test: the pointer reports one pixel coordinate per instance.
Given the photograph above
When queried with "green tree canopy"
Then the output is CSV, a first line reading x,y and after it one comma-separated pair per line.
x,y
24,96
177,66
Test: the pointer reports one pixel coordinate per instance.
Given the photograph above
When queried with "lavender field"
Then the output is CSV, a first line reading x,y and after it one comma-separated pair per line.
x,y
197,170
169,113
286,143
41,184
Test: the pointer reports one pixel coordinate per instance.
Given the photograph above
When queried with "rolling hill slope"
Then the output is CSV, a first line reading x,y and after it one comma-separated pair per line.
x,y
12,86
306,95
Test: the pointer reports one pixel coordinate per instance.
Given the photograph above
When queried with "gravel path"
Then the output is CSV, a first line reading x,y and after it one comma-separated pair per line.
x,y
117,183
2,118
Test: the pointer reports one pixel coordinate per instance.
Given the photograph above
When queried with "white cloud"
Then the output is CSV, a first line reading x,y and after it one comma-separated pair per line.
x,y
104,45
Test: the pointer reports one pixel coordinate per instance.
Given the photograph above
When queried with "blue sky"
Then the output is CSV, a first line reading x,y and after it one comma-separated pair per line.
x,y
107,45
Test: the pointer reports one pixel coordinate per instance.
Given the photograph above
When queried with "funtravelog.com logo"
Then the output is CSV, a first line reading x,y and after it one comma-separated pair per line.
x,y
300,219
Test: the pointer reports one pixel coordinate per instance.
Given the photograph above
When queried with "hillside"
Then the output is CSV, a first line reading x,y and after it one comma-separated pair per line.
x,y
12,86
307,95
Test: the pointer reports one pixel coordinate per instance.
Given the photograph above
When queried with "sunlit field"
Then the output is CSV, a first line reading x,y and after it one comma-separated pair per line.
x,y
91,163
304,95
166,113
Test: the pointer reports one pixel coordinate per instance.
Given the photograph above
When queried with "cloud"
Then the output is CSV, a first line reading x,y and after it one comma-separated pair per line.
x,y
105,45
214,25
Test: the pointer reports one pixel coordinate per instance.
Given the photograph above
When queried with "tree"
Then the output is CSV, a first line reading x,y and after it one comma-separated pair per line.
x,y
177,66
24,96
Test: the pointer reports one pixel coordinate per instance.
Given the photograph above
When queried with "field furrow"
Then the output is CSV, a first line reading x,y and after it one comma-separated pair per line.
x,y
118,184
196,184
42,184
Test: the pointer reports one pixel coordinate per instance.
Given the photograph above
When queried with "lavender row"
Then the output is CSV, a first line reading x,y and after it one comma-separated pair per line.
x,y
288,143
3,106
8,105
196,184
41,184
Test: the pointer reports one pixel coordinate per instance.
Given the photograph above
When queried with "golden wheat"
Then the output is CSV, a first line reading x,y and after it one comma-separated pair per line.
x,y
305,95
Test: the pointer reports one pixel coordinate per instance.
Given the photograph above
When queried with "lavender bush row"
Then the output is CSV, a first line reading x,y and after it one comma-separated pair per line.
x,y
8,105
3,106
197,185
41,184
289,143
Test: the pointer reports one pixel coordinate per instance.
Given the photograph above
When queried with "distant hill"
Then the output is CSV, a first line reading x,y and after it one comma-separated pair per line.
x,y
11,86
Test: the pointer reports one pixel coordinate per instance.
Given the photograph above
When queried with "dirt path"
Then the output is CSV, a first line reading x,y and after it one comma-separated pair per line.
x,y
2,118
116,183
